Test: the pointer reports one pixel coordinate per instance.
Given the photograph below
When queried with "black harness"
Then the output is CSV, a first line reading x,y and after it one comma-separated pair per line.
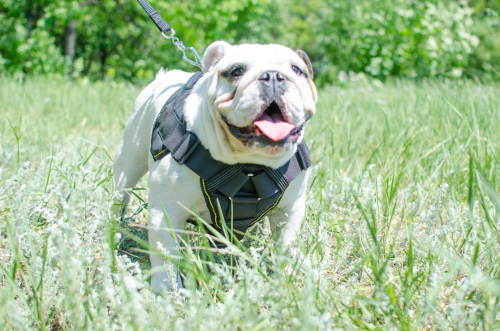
x,y
240,194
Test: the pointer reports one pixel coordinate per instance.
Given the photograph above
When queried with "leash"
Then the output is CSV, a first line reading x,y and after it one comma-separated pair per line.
x,y
165,28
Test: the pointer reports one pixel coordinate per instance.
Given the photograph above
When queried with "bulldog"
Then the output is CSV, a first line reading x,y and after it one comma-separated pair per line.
x,y
249,107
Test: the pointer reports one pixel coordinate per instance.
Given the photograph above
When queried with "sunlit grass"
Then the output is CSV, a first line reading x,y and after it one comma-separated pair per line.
x,y
401,228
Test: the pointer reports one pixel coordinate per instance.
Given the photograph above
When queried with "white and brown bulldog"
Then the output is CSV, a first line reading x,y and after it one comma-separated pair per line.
x,y
250,106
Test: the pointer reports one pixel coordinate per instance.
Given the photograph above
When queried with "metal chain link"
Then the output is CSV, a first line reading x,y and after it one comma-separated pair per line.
x,y
177,43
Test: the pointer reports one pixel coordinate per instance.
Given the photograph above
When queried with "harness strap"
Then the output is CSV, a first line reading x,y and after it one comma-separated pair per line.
x,y
169,130
224,176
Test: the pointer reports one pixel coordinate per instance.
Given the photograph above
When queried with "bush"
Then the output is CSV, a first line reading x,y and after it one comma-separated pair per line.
x,y
116,40
486,57
36,54
396,37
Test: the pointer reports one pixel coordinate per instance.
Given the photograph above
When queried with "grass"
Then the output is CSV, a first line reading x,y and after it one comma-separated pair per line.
x,y
401,230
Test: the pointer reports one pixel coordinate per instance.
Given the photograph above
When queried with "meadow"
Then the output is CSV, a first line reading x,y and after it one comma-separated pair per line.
x,y
401,230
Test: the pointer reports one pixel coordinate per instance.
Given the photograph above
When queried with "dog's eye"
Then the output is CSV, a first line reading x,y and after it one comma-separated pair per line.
x,y
298,71
237,72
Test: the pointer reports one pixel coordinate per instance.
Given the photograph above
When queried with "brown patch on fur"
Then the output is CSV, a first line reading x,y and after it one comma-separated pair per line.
x,y
305,58
314,90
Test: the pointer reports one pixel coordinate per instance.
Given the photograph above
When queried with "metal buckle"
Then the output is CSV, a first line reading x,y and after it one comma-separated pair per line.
x,y
182,48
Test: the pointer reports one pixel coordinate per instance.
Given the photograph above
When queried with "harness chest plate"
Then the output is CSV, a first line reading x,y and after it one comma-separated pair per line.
x,y
238,195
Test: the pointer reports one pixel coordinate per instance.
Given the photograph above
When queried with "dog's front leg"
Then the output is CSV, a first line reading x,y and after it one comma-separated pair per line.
x,y
171,187
164,240
287,219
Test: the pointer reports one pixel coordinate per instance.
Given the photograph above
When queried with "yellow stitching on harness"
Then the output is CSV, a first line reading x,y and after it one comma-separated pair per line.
x,y
211,205
279,198
160,153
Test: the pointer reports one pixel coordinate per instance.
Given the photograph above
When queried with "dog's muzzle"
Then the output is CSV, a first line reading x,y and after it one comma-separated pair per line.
x,y
269,129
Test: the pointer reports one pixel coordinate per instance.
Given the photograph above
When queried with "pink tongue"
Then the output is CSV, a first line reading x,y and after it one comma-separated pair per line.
x,y
274,127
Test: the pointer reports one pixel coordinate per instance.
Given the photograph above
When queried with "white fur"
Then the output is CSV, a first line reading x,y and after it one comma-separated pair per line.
x,y
173,186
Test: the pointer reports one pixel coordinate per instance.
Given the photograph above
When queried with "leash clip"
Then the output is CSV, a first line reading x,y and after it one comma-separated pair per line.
x,y
177,43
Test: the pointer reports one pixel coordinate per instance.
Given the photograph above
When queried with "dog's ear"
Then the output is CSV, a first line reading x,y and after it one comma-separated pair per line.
x,y
214,52
305,58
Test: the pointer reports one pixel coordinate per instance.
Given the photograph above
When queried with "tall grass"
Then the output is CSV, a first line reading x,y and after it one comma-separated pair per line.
x,y
401,230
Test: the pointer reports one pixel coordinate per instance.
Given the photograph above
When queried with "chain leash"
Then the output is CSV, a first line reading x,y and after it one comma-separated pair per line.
x,y
165,28
177,43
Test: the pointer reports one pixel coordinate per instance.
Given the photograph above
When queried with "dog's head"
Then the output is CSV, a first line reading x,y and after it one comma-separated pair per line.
x,y
261,97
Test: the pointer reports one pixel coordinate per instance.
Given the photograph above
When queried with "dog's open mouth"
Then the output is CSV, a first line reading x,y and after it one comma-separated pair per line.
x,y
269,129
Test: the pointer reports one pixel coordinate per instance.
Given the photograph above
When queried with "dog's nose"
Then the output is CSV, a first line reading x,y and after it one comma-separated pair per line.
x,y
272,76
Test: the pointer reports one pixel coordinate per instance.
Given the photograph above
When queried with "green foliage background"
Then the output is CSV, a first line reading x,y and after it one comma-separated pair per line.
x,y
115,39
